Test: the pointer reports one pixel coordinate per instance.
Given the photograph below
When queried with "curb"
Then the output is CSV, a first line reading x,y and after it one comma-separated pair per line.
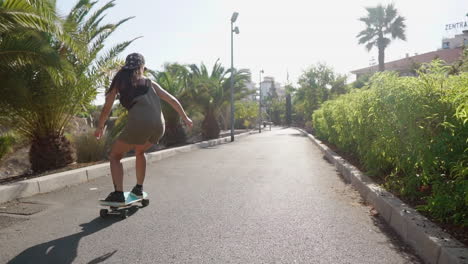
x,y
52,182
429,241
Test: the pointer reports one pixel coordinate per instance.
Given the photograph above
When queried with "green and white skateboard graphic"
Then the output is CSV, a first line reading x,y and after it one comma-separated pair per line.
x,y
121,209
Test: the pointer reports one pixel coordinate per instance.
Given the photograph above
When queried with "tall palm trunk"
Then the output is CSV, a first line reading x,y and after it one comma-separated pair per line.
x,y
210,126
381,59
175,133
51,151
381,49
226,117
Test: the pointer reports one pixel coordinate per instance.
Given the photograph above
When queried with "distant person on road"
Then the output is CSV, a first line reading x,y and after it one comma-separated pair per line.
x,y
145,124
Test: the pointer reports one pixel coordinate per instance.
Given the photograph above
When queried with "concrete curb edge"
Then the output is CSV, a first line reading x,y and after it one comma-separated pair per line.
x,y
56,181
429,241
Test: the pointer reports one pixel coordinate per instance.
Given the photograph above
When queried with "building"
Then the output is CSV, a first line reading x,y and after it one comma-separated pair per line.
x,y
408,65
456,42
266,85
451,51
253,88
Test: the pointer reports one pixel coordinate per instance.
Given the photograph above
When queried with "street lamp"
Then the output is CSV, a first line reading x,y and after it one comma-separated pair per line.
x,y
260,104
236,30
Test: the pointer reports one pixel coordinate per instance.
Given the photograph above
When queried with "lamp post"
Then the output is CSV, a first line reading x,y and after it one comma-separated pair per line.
x,y
260,104
236,30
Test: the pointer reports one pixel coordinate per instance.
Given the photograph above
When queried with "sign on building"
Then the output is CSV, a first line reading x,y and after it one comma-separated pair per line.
x,y
459,25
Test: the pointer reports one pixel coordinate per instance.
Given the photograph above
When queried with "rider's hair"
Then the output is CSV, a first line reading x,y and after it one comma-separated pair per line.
x,y
125,78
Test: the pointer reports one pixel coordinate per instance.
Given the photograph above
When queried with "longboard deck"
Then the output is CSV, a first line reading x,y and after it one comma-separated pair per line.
x,y
129,200
122,209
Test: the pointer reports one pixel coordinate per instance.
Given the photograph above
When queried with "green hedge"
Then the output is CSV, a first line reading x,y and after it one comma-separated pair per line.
x,y
411,131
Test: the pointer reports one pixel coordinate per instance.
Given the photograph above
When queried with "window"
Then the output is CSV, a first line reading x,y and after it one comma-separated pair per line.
x,y
446,45
465,41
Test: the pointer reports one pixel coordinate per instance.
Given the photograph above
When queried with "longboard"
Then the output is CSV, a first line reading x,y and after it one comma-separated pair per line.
x,y
129,200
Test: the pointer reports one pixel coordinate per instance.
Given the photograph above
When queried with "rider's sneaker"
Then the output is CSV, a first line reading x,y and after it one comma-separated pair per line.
x,y
137,192
115,198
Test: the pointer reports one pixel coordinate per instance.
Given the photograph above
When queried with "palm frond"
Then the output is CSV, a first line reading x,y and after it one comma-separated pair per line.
x,y
390,14
370,45
95,18
195,70
397,28
79,11
18,51
365,20
367,35
22,14
99,34
218,71
109,56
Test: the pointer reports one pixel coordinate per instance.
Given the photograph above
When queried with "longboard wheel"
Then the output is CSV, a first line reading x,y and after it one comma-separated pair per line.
x,y
145,202
104,213
123,214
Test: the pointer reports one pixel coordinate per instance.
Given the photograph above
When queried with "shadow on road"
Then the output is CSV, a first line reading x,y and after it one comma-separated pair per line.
x,y
64,250
291,134
396,242
392,238
102,258
210,147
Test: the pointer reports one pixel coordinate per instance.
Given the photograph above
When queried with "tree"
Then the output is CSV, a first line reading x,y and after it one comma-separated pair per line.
x,y
174,79
246,113
381,22
338,86
273,93
277,110
273,104
39,100
361,81
289,93
210,92
316,85
461,65
288,110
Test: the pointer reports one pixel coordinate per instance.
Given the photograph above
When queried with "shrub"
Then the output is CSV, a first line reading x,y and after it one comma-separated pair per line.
x,y
195,132
246,114
413,131
90,149
6,143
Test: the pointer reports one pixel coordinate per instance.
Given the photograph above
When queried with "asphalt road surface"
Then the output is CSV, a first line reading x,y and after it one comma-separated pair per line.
x,y
266,198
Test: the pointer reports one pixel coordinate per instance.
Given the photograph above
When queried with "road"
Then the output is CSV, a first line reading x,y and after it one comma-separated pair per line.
x,y
266,198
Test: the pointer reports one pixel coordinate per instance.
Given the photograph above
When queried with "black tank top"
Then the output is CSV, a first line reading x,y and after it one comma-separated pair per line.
x,y
127,94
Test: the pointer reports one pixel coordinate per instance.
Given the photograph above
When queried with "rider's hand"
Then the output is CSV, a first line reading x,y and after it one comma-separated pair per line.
x,y
188,122
98,133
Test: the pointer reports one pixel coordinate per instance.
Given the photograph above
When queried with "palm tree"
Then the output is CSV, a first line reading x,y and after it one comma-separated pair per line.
x,y
381,22
39,100
173,79
210,93
21,44
94,67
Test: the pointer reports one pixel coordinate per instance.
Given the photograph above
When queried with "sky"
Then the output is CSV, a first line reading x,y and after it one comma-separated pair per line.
x,y
283,38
